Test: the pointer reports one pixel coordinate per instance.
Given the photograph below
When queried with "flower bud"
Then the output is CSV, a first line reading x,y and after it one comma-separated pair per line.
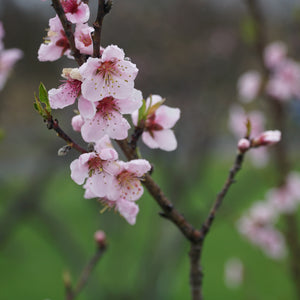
x,y
100,238
77,122
267,138
243,145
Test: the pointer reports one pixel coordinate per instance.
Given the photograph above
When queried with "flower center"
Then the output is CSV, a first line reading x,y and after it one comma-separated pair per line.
x,y
106,105
151,125
106,69
63,42
70,6
95,164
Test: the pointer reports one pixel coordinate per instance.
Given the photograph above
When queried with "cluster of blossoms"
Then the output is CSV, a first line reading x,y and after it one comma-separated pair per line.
x,y
8,58
258,224
104,90
284,78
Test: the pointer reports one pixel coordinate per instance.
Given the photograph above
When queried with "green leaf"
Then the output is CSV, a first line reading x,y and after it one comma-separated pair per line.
x,y
43,95
142,111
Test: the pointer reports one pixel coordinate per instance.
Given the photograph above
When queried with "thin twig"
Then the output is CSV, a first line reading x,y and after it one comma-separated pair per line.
x,y
73,293
68,31
53,124
229,181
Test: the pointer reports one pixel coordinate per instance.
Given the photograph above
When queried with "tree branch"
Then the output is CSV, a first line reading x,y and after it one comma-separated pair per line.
x,y
98,28
68,31
53,124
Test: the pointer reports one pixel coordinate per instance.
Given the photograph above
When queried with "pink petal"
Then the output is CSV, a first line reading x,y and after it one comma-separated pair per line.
x,y
128,210
133,103
138,167
165,139
86,108
112,52
167,116
77,122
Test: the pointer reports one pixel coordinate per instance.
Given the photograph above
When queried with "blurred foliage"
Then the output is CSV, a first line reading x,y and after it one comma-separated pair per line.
x,y
140,262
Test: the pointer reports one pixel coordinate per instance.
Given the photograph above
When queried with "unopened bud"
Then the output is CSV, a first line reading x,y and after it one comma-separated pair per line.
x,y
243,145
267,138
107,6
77,122
64,150
100,238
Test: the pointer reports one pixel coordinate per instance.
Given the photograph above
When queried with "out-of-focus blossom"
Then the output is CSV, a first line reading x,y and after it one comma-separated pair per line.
x,y
233,273
77,122
248,86
274,54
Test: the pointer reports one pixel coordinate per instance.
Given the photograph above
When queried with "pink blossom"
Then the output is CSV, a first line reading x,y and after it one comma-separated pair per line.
x,y
67,93
56,43
269,137
108,76
160,119
96,168
7,60
274,54
284,83
76,11
127,179
248,85
243,145
77,122
105,116
83,38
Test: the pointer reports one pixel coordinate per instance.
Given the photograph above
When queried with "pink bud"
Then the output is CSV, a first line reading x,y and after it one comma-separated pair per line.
x,y
77,122
100,238
243,145
267,138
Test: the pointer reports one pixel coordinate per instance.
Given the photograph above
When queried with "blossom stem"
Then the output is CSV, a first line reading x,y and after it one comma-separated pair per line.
x,y
68,31
53,124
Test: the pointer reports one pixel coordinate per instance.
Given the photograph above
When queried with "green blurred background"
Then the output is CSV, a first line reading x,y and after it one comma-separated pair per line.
x,y
190,52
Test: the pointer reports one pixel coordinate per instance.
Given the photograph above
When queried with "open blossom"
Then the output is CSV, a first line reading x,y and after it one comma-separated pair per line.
x,y
83,38
96,168
274,54
127,178
56,43
76,11
160,119
67,93
105,116
108,76
269,137
248,85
